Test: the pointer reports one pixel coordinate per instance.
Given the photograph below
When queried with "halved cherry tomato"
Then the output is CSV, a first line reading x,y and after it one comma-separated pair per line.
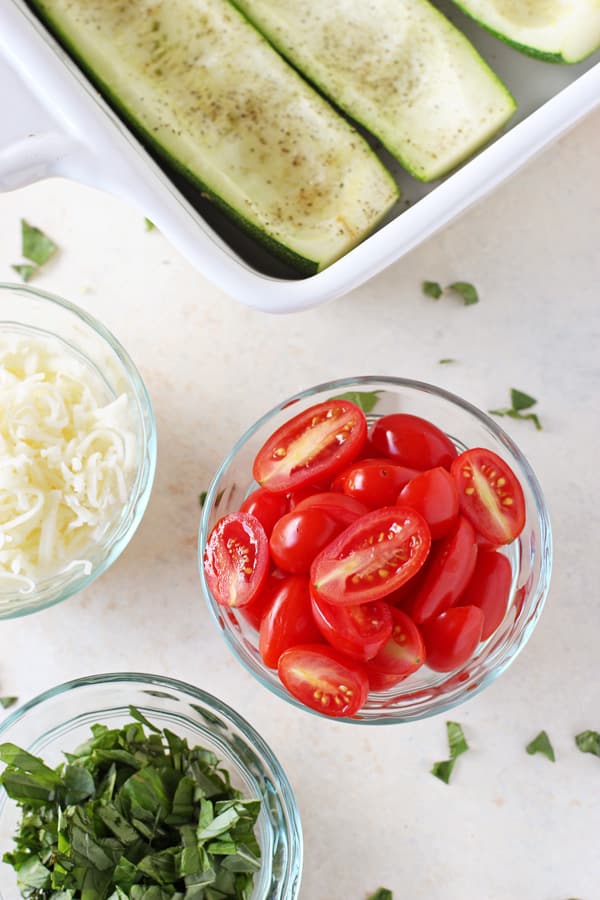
x,y
305,491
452,638
433,493
253,611
236,559
324,679
345,510
490,495
448,572
372,557
359,631
378,681
489,589
375,482
317,443
404,651
288,621
299,536
266,506
413,442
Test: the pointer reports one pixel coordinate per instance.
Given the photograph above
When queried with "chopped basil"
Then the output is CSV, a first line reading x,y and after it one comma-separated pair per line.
x,y
218,498
446,360
381,894
457,744
134,812
432,289
588,742
202,498
150,226
365,400
466,290
519,401
25,270
36,247
541,744
7,702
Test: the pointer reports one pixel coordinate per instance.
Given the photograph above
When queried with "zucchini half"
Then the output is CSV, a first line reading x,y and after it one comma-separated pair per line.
x,y
563,31
209,94
396,66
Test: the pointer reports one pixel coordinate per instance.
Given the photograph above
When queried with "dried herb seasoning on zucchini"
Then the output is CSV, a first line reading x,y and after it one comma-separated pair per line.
x,y
133,814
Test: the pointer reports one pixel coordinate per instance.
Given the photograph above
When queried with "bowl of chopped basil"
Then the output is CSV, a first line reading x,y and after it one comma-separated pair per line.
x,y
138,786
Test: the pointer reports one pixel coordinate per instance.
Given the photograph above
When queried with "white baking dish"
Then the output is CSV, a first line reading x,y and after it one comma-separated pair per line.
x,y
53,122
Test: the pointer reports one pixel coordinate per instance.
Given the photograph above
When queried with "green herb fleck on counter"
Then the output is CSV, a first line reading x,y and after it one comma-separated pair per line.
x,y
588,742
26,271
381,894
466,290
7,702
520,401
457,744
150,226
133,812
446,360
541,744
365,400
202,498
432,289
36,247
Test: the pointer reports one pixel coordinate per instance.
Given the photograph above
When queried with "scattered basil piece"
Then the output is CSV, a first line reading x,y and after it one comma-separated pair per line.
x,y
432,289
520,401
202,498
7,702
218,498
365,400
466,290
150,226
35,245
541,744
133,814
588,742
26,271
381,894
446,360
457,744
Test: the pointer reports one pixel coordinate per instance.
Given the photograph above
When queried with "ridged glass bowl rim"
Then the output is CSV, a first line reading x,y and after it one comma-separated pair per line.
x,y
257,744
541,588
142,487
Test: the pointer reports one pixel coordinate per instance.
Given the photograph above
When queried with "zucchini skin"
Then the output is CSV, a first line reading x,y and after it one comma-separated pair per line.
x,y
304,264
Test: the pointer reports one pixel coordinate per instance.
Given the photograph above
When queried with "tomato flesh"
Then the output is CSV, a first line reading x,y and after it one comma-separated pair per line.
x,y
489,589
372,557
318,442
452,638
358,631
288,621
448,572
490,495
433,493
324,679
236,559
253,611
375,482
404,651
412,441
299,536
266,507
380,681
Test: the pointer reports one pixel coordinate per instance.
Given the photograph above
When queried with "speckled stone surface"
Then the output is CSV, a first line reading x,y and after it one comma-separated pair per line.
x,y
510,825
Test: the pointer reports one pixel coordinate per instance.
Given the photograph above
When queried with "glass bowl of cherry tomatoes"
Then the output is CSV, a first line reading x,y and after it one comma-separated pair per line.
x,y
375,550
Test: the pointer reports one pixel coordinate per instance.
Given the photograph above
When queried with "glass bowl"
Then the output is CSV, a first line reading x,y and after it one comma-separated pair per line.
x,y
425,693
30,312
60,719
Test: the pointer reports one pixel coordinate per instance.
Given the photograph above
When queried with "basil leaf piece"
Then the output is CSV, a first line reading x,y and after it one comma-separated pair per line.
x,y
588,742
35,245
7,702
466,290
446,360
457,745
202,498
25,271
541,744
520,400
381,894
443,770
432,289
365,400
150,226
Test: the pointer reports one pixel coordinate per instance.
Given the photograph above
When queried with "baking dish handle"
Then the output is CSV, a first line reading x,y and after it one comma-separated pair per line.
x,y
34,157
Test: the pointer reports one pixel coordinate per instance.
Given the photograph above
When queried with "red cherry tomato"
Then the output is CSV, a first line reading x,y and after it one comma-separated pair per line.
x,y
404,651
266,507
375,482
372,557
343,509
307,490
359,631
433,493
452,638
299,536
413,442
489,589
324,679
448,572
378,681
490,495
236,559
253,611
317,443
288,621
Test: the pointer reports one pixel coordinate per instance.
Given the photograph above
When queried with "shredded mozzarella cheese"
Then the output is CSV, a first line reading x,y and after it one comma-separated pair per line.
x,y
68,454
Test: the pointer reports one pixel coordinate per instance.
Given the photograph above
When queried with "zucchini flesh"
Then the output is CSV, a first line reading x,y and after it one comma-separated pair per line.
x,y
209,94
396,66
563,31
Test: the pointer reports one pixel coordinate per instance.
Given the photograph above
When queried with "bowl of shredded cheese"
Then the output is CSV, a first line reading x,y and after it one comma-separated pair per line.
x,y
77,449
